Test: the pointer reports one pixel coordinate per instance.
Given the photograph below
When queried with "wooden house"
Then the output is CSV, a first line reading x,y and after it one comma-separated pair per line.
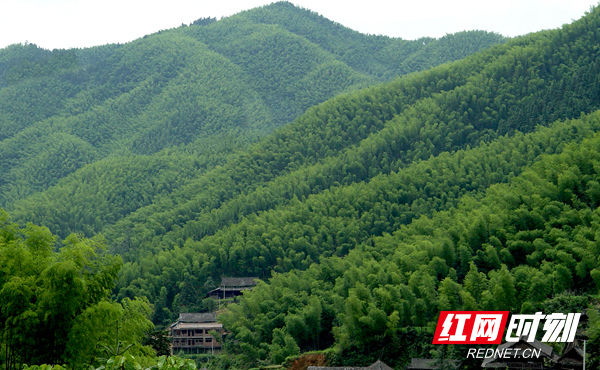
x,y
191,333
232,287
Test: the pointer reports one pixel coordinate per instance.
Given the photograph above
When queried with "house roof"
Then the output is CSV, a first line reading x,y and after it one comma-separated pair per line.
x,y
197,317
229,289
238,282
335,368
197,325
377,365
427,363
573,356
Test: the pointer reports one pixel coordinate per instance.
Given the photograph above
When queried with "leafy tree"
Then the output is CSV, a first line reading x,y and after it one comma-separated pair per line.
x,y
55,307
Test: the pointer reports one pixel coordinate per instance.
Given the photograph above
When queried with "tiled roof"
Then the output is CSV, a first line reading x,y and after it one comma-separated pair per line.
x,y
197,317
378,365
242,281
428,364
197,325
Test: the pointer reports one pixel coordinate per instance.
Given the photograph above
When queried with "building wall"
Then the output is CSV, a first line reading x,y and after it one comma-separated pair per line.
x,y
196,340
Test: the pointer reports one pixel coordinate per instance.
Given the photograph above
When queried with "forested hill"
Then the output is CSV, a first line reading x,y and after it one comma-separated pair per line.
x,y
321,205
379,56
196,198
481,194
206,89
471,185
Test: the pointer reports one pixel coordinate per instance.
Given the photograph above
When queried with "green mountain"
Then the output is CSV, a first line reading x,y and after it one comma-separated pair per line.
x,y
318,201
208,89
252,146
507,221
359,137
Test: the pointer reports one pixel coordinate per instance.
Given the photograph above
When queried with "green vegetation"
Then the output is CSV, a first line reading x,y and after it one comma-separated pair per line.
x,y
356,167
54,305
276,143
181,89
526,246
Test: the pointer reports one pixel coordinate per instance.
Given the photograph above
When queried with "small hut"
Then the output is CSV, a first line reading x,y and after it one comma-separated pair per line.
x,y
232,287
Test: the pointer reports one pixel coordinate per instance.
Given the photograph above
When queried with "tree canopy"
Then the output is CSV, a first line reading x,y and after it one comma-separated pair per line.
x,y
276,143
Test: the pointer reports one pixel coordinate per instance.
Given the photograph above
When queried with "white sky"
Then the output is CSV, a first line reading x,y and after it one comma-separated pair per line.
x,y
81,23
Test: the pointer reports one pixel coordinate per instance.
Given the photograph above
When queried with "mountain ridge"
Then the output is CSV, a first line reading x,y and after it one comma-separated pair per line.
x,y
473,185
158,92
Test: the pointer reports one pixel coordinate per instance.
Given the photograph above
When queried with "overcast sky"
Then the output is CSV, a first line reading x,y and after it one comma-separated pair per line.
x,y
81,23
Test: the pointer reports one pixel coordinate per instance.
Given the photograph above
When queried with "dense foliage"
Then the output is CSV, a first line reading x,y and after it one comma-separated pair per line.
x,y
530,245
54,305
186,88
357,166
244,147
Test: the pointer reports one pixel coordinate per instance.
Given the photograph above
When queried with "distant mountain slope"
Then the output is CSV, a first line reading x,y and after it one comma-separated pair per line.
x,y
527,246
221,85
362,165
322,204
380,130
438,203
379,56
347,170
